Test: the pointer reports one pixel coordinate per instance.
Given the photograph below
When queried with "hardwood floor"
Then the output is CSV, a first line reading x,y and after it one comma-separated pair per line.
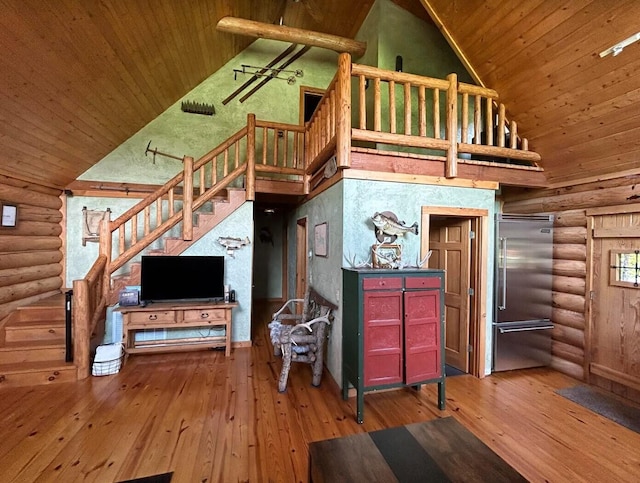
x,y
208,418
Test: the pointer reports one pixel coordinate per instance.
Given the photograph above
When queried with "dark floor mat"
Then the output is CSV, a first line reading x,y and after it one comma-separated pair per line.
x,y
452,371
163,478
605,405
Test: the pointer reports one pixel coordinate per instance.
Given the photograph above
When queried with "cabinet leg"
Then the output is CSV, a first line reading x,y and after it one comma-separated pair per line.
x,y
441,396
360,407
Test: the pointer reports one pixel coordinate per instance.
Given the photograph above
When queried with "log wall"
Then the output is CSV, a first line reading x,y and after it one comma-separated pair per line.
x,y
571,262
31,253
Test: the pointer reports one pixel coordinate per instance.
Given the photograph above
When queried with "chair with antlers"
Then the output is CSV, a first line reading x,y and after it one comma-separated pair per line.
x,y
301,337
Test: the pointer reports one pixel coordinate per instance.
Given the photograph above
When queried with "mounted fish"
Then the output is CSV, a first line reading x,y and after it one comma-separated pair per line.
x,y
232,244
387,227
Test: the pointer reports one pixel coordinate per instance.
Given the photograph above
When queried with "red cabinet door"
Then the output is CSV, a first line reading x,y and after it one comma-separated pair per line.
x,y
382,320
422,336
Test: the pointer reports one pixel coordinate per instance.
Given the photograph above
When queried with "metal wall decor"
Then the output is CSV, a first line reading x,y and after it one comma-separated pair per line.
x,y
198,108
272,72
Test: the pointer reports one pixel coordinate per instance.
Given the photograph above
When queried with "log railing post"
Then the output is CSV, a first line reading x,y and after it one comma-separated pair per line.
x,y
251,157
105,249
451,169
187,200
343,112
81,332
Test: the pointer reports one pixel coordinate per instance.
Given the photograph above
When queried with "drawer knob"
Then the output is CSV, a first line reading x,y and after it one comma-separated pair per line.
x,y
382,283
153,317
204,315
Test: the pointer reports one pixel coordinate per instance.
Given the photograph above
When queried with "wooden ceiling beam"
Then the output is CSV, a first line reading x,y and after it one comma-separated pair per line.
x,y
262,30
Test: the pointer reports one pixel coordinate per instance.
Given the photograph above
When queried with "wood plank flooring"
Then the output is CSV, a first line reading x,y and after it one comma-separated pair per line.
x,y
208,418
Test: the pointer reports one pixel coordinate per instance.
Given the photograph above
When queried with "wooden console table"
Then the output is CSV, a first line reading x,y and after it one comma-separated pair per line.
x,y
177,315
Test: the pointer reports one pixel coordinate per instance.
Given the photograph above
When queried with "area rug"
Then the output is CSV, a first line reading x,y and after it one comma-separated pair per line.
x,y
162,478
451,371
440,450
605,405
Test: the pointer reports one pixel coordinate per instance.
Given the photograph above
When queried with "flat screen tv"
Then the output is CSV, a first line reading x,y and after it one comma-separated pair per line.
x,y
178,278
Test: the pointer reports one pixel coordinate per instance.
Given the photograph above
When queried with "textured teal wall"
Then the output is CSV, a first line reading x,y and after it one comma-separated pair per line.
x,y
324,273
363,198
180,134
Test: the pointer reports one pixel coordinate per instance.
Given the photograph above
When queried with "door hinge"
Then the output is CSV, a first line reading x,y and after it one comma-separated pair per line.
x,y
472,292
469,348
472,235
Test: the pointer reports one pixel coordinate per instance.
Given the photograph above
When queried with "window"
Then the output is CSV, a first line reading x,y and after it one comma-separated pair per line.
x,y
625,268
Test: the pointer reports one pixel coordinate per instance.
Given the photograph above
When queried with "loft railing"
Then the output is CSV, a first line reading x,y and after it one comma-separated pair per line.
x,y
407,110
391,108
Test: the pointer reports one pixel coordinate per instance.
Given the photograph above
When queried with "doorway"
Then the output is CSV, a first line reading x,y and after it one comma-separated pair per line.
x,y
458,240
301,257
612,356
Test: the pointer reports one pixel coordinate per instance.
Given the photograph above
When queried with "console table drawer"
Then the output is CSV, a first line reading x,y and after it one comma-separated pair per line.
x,y
153,317
204,315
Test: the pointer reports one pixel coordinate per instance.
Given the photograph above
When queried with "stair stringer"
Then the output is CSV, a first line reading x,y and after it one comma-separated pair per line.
x,y
204,223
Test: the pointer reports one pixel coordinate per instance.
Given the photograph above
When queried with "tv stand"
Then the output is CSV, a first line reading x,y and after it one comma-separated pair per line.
x,y
176,315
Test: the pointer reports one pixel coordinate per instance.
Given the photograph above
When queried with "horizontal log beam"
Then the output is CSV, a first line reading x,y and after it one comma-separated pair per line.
x,y
570,218
30,259
568,318
571,285
262,30
570,251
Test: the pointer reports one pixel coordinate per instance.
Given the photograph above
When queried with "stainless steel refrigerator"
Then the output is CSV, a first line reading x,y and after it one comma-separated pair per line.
x,y
522,313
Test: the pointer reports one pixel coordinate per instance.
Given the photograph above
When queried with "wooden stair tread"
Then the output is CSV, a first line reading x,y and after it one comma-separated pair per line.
x,y
24,367
33,324
54,301
31,345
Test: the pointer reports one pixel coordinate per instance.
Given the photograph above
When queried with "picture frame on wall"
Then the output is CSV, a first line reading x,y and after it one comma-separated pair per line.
x,y
321,240
9,215
386,255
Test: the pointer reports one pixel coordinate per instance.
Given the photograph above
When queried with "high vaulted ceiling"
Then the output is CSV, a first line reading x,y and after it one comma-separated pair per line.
x,y
79,77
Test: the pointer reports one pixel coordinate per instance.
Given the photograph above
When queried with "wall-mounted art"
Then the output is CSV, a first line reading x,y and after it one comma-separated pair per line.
x,y
321,240
9,215
386,255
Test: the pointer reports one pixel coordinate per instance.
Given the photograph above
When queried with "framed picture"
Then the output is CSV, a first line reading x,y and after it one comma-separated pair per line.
x,y
9,215
321,240
386,255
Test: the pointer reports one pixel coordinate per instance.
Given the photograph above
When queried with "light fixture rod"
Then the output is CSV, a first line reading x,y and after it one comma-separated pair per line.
x,y
616,49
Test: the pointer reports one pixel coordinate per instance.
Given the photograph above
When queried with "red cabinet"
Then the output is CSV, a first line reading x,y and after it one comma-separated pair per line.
x,y
392,330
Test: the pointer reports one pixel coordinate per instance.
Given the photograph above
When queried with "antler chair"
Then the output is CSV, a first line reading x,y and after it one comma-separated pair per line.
x,y
302,340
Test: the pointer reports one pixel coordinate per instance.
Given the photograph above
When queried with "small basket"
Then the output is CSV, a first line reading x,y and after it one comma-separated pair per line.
x,y
109,366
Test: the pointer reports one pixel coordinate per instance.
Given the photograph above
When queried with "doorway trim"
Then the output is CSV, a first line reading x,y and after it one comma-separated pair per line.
x,y
479,264
301,257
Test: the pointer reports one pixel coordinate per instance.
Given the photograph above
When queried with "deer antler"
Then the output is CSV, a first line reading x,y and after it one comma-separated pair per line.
x,y
354,264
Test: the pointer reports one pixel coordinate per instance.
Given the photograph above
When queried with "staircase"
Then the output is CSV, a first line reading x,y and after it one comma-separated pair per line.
x,y
204,221
32,345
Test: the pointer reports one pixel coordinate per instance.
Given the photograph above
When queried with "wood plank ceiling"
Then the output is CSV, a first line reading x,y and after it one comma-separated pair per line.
x,y
579,111
80,77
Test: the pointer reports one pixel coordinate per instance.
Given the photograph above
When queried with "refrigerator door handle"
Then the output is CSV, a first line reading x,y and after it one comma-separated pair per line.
x,y
502,305
504,330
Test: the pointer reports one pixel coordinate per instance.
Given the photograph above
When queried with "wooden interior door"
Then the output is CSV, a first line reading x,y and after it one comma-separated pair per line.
x,y
449,238
615,305
301,258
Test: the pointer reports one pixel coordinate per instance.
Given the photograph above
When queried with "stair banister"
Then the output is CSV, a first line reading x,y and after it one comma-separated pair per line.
x,y
250,185
187,199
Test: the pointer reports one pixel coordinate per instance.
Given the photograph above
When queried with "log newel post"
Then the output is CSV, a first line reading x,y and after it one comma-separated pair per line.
x,y
81,320
343,112
187,200
251,158
451,169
